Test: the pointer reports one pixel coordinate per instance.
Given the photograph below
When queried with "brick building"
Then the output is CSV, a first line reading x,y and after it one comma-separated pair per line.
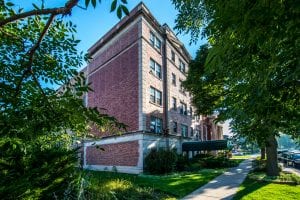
x,y
136,72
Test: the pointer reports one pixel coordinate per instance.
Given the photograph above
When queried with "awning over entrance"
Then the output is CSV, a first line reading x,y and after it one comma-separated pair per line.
x,y
205,145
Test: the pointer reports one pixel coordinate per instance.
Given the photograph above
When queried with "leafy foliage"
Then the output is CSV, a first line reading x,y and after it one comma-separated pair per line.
x,y
160,161
40,126
251,71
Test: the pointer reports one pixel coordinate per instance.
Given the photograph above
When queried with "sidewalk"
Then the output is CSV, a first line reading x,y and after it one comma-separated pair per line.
x,y
290,169
224,186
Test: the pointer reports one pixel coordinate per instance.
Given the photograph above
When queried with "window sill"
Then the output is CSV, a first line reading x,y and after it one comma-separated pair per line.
x,y
173,62
153,74
155,48
155,104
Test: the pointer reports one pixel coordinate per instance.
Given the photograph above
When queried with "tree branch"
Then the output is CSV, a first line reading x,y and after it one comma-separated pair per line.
x,y
54,11
31,53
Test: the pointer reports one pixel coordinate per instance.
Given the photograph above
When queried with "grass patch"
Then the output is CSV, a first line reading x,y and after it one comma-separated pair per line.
x,y
110,185
244,157
258,186
284,178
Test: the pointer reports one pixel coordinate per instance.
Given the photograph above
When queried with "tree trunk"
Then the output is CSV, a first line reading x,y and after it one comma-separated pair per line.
x,y
272,162
263,153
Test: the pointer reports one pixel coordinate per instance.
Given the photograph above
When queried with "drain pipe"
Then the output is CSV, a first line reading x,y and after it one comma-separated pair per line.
x,y
165,89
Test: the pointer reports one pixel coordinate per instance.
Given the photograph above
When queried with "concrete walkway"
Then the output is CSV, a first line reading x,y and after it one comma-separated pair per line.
x,y
224,186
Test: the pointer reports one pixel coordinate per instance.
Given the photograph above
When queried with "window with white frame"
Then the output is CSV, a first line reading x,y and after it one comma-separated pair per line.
x,y
192,132
174,103
183,108
155,41
184,130
156,125
155,96
155,68
196,117
181,66
173,79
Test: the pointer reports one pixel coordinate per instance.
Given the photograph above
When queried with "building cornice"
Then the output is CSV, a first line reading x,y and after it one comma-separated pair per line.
x,y
139,10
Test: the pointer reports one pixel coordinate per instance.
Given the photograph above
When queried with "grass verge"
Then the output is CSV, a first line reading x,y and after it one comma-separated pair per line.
x,y
110,185
258,186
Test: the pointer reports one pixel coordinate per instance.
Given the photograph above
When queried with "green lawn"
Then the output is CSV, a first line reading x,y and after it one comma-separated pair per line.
x,y
244,157
107,185
252,189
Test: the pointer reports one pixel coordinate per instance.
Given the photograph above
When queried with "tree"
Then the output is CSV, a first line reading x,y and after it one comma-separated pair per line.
x,y
39,125
254,63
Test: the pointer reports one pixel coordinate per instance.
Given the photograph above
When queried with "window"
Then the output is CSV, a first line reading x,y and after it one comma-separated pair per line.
x,y
174,103
173,79
155,68
184,130
181,89
196,117
155,125
173,56
191,111
183,108
175,127
181,66
192,132
154,41
155,96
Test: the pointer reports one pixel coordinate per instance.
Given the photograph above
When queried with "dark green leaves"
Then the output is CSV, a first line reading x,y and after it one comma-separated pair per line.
x,y
10,4
113,5
120,8
252,61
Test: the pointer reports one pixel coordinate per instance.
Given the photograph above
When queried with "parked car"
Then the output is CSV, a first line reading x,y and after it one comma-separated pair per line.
x,y
295,159
284,157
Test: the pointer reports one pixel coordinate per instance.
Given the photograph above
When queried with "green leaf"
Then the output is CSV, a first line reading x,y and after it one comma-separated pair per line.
x,y
119,12
87,2
124,1
113,5
10,4
35,6
125,10
94,3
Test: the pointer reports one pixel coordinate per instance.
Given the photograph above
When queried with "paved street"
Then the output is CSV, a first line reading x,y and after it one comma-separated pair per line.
x,y
224,186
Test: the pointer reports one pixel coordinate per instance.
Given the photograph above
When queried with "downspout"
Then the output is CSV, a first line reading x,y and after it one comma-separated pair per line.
x,y
165,89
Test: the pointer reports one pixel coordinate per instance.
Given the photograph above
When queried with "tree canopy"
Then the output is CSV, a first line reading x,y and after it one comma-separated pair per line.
x,y
40,126
251,73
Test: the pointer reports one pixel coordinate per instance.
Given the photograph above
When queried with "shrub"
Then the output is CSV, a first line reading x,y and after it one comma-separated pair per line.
x,y
160,161
210,161
183,163
259,165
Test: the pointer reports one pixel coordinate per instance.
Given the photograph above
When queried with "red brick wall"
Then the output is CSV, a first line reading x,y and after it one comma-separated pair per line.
x,y
116,47
115,84
119,154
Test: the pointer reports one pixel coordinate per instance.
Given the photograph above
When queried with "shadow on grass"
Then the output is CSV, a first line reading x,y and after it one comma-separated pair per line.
x,y
111,185
249,186
107,185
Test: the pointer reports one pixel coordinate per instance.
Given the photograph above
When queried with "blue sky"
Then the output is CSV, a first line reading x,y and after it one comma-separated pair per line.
x,y
92,24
